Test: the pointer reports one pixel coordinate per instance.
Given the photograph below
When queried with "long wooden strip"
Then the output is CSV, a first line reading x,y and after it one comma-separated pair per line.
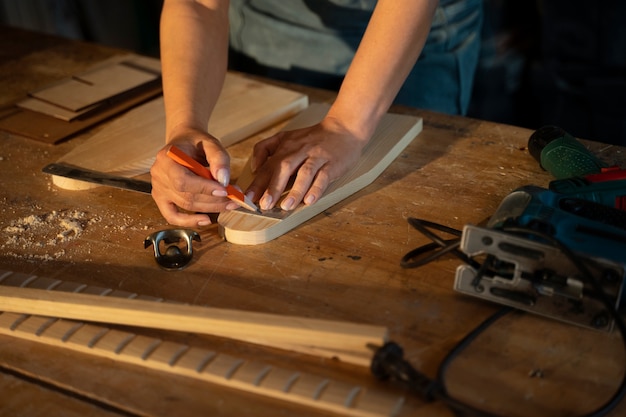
x,y
251,376
343,340
394,133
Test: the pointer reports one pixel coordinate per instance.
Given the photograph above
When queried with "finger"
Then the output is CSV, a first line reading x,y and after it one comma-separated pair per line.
x,y
187,191
189,201
258,185
263,150
280,176
304,178
318,187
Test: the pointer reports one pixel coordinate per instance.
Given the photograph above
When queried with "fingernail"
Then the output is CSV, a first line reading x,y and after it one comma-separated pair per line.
x,y
309,199
223,176
287,204
252,166
219,193
265,202
203,223
250,195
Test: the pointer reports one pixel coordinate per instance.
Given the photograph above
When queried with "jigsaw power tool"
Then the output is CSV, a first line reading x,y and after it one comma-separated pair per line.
x,y
531,252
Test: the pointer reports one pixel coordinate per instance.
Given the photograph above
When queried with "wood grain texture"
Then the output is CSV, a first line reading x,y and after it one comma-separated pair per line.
x,y
181,359
341,265
393,134
49,401
127,146
95,86
251,376
333,339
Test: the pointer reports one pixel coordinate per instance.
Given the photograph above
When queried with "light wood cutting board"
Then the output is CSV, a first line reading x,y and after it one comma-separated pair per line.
x,y
127,145
393,134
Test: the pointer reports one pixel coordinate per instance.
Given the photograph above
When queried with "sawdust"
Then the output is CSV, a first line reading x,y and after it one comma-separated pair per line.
x,y
52,235
46,231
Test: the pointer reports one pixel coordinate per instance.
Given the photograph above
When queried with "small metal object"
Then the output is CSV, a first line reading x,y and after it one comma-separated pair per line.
x,y
172,257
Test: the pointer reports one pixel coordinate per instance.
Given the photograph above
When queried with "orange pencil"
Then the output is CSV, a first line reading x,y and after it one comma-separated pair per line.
x,y
188,162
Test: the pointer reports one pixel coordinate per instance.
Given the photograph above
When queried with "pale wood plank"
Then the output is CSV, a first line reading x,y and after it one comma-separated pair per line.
x,y
288,385
394,133
127,146
50,109
345,341
92,87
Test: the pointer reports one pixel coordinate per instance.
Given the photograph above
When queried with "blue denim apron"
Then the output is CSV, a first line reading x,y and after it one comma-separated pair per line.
x,y
312,42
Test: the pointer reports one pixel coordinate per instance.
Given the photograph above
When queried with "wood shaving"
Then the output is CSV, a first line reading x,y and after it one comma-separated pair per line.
x,y
38,232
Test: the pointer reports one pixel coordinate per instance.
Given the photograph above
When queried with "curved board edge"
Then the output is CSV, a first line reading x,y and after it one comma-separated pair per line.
x,y
393,135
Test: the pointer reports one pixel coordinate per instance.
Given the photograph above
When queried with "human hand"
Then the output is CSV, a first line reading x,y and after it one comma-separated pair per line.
x,y
182,196
317,155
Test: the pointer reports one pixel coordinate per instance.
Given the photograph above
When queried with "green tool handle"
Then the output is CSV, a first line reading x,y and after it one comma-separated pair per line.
x,y
561,154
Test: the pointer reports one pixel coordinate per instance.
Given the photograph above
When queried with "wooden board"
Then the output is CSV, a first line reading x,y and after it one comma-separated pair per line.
x,y
50,129
345,341
394,133
49,123
95,86
49,109
127,146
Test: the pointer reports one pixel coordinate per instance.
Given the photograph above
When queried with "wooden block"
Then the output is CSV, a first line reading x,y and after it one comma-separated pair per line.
x,y
127,146
49,129
92,87
53,110
50,124
394,133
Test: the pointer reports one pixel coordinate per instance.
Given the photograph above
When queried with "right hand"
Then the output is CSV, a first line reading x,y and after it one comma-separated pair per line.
x,y
182,196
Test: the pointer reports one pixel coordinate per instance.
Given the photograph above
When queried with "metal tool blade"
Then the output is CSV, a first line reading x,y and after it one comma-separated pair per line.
x,y
274,213
101,178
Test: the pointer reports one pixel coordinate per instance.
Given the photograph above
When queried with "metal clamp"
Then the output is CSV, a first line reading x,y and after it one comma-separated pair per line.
x,y
173,257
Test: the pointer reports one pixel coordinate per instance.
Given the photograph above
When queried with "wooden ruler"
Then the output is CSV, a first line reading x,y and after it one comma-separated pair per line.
x,y
251,376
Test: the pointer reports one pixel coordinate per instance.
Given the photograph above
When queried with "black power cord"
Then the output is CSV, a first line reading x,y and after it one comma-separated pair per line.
x,y
388,361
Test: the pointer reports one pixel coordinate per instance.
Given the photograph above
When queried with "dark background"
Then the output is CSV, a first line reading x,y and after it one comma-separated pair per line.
x,y
558,62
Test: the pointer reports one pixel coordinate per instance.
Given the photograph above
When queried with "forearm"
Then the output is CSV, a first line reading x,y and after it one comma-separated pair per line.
x,y
194,46
390,47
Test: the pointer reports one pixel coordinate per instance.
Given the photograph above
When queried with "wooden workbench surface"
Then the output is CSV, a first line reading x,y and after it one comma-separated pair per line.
x,y
343,264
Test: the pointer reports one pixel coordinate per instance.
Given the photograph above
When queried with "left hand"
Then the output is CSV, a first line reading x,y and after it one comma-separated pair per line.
x,y
318,155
